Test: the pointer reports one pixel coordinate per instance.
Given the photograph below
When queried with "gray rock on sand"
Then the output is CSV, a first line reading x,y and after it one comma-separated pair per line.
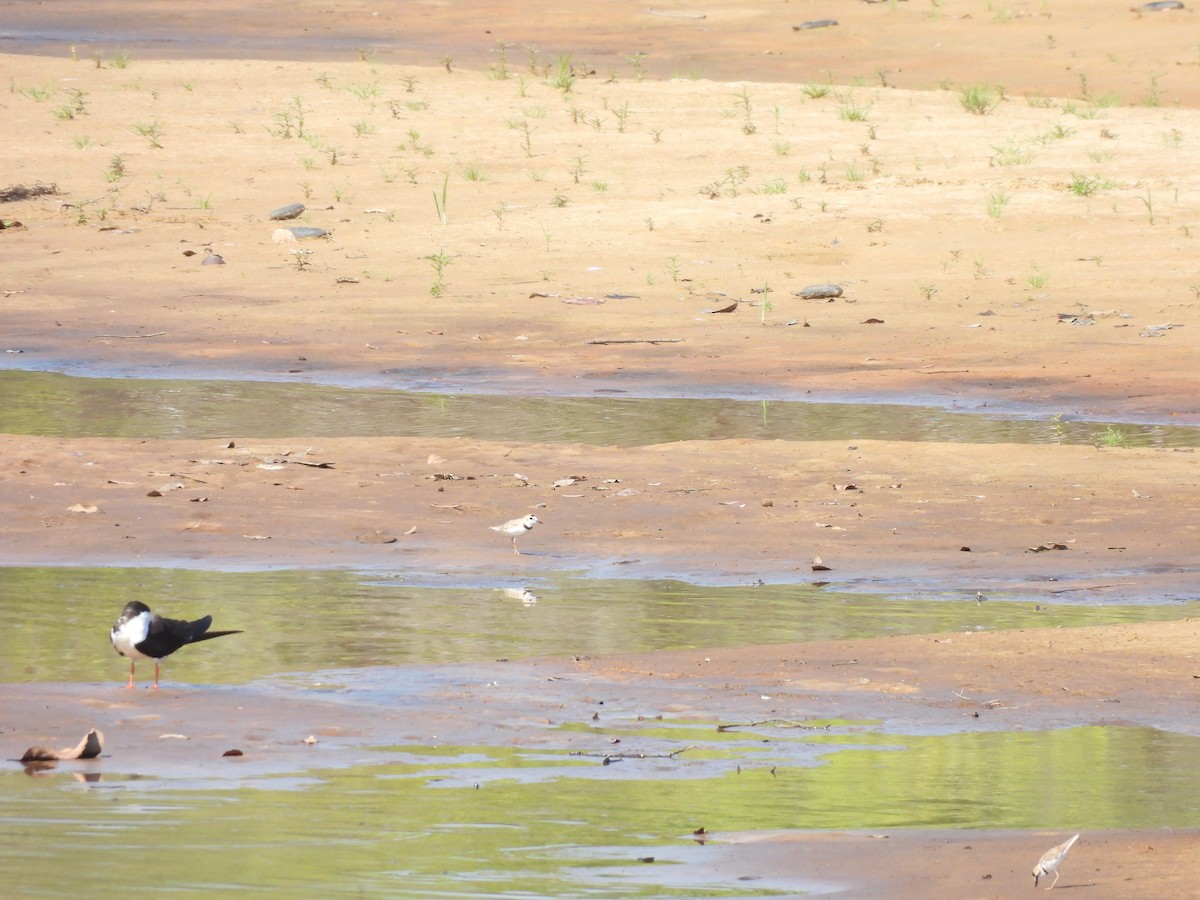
x,y
819,292
291,211
815,23
213,259
1159,6
306,231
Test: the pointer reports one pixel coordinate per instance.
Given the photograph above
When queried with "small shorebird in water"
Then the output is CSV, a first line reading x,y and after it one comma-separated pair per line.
x,y
139,634
514,528
1051,860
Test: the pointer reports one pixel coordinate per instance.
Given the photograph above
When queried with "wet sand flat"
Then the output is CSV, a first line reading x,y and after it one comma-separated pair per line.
x,y
1028,521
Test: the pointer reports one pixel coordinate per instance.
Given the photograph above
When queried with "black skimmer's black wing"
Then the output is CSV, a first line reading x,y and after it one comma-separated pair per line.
x,y
165,636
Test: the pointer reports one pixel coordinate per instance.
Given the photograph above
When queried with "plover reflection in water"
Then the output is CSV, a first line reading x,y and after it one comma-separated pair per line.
x,y
525,595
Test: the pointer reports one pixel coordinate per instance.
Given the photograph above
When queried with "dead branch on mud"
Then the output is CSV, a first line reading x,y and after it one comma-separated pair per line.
x,y
609,758
776,723
606,341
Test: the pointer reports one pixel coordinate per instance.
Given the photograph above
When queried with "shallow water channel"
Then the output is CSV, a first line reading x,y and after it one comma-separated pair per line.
x,y
48,403
493,821
441,820
56,619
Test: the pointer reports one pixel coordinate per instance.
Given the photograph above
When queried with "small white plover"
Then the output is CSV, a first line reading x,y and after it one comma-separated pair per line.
x,y
1051,860
514,528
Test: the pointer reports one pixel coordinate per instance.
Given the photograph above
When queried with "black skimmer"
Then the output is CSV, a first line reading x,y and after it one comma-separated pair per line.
x,y
139,634
514,528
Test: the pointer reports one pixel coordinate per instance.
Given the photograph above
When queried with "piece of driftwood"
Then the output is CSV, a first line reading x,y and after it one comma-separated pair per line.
x,y
1092,587
127,337
88,748
778,723
26,192
634,754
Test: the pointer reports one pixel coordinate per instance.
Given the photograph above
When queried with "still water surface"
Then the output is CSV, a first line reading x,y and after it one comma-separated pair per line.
x,y
57,619
57,405
455,822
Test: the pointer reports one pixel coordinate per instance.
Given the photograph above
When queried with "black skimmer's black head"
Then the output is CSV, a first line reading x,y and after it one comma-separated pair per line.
x,y
139,634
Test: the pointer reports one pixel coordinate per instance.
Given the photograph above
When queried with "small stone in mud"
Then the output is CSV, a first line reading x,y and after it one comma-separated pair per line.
x,y
291,211
377,537
818,292
305,231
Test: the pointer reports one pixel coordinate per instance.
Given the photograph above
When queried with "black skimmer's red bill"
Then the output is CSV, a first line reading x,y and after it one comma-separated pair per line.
x,y
139,634
514,528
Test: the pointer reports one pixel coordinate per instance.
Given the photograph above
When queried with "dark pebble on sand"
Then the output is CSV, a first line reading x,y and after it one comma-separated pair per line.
x,y
1159,5
815,23
287,212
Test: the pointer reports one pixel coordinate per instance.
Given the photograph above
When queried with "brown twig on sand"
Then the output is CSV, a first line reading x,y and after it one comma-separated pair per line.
x,y
675,15
1092,587
129,336
636,341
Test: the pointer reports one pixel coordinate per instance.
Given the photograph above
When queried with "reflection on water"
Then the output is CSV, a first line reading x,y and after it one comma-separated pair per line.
x,y
68,406
455,822
57,619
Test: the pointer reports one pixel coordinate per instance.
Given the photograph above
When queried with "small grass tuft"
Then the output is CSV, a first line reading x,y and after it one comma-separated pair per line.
x,y
116,169
1010,153
848,111
1085,185
980,99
